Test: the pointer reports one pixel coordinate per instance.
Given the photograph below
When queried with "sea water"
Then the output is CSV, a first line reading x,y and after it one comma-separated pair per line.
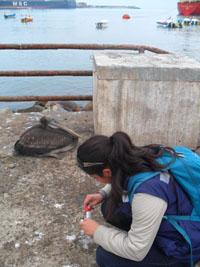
x,y
78,26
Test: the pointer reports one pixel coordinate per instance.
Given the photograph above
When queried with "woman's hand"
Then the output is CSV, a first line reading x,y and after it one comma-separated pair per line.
x,y
89,226
92,200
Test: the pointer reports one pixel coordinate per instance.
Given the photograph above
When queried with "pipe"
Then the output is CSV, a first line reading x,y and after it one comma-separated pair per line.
x,y
45,98
34,73
139,48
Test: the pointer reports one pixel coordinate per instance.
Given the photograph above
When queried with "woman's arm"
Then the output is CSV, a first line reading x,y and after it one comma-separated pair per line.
x,y
147,213
105,191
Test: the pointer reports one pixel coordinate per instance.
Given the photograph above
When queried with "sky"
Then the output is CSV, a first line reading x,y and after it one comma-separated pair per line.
x,y
139,3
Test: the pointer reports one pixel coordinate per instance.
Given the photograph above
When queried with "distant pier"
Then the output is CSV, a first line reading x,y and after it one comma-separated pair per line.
x,y
84,5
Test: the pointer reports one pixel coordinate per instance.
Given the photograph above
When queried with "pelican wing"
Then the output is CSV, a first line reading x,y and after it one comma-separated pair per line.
x,y
40,140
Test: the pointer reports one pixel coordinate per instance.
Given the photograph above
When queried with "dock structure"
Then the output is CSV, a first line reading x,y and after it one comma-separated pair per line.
x,y
154,98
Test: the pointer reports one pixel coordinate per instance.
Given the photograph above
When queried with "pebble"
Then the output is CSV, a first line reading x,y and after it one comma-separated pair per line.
x,y
58,206
12,165
5,195
17,245
70,238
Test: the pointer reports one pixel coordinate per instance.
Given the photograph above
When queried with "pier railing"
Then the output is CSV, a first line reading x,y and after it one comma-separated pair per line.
x,y
39,73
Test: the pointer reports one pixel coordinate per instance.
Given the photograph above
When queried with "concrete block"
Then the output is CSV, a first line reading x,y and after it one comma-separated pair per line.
x,y
154,98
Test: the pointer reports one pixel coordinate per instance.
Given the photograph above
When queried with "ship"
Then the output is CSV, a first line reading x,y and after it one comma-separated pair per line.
x,y
38,4
189,8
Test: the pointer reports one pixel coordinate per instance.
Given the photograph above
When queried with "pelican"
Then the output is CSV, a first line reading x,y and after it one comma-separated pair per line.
x,y
48,138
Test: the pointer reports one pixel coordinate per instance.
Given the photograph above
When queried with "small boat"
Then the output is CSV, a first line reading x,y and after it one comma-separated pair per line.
x,y
27,19
8,16
178,23
102,24
186,21
195,22
169,23
165,22
191,22
126,16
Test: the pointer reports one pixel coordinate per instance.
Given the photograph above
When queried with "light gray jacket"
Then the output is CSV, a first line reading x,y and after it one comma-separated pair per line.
x,y
147,213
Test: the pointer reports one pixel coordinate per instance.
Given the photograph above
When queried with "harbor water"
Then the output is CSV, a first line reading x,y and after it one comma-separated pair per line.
x,y
78,26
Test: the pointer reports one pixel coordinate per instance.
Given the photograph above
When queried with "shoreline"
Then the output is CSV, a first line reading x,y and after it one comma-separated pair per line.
x,y
40,106
109,6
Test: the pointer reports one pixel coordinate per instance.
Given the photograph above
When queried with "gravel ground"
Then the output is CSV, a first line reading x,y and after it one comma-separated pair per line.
x,y
41,198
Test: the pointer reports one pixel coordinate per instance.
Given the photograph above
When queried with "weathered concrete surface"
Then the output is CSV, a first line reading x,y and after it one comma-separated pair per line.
x,y
154,98
41,198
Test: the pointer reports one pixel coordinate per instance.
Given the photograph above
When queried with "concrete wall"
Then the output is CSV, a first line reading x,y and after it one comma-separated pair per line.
x,y
154,98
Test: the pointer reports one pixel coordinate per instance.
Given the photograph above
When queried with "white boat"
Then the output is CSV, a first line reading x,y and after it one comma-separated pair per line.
x,y
169,23
178,23
164,23
195,22
186,21
102,24
190,22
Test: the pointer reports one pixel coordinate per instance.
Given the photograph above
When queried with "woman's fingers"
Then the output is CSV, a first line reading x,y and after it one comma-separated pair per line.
x,y
88,200
89,226
92,200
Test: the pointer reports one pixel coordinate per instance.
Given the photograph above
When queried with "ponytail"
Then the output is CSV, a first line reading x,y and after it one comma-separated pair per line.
x,y
119,163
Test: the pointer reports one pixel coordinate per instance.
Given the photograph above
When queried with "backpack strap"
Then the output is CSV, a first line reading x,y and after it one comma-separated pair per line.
x,y
192,218
137,180
172,219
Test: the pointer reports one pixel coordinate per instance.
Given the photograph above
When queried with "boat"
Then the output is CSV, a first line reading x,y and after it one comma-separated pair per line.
x,y
189,8
27,4
195,22
190,22
102,24
186,21
126,16
178,23
27,19
8,16
169,23
165,22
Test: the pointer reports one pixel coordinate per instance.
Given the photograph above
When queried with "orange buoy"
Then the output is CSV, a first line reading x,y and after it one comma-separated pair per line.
x,y
126,16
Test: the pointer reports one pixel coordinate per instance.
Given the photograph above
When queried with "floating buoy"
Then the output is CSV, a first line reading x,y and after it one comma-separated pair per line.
x,y
126,16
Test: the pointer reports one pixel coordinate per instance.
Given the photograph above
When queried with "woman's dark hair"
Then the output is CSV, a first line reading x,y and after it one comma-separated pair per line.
x,y
123,158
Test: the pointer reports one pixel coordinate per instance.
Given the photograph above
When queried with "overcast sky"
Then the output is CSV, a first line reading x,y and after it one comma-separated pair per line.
x,y
139,3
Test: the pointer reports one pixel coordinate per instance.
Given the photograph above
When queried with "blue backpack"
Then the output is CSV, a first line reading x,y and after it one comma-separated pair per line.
x,y
185,168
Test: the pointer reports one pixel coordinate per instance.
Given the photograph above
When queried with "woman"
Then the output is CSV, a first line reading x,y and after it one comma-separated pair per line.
x,y
140,236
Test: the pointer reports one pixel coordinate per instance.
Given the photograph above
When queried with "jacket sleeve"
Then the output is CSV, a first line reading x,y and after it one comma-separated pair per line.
x,y
147,213
106,190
